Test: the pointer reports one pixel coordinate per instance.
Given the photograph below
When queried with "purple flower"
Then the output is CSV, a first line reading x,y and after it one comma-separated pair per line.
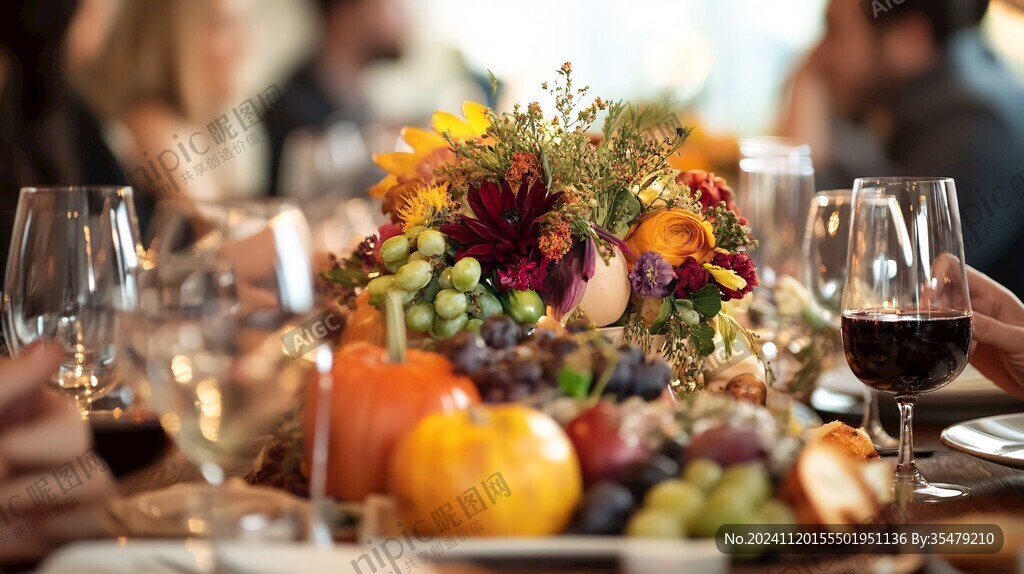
x,y
651,275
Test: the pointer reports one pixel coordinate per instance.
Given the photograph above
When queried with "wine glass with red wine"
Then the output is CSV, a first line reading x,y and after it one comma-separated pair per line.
x,y
906,310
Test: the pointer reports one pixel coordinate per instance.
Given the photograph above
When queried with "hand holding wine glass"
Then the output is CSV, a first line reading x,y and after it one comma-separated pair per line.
x,y
40,432
906,309
998,333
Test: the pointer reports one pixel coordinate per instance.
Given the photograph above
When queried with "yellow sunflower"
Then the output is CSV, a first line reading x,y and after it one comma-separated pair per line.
x,y
405,166
427,206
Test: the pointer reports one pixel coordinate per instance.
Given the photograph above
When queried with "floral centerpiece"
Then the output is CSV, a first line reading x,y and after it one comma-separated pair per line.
x,y
577,214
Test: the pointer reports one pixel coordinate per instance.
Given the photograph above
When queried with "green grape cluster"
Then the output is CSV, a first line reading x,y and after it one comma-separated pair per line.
x,y
439,299
706,497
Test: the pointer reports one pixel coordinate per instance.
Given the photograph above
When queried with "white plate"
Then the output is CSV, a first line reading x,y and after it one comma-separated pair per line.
x,y
184,556
180,557
970,387
999,439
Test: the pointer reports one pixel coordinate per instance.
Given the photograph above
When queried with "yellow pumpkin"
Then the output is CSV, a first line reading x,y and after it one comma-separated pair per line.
x,y
502,470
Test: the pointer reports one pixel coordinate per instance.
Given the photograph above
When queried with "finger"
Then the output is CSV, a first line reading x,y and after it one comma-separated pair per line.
x,y
983,292
78,481
28,371
57,435
27,407
989,362
946,278
59,517
994,300
1008,338
86,519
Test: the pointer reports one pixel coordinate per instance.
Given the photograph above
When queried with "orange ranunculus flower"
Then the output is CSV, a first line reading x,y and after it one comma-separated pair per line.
x,y
675,234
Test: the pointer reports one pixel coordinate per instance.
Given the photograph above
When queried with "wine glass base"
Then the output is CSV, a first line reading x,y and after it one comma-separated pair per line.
x,y
928,492
883,443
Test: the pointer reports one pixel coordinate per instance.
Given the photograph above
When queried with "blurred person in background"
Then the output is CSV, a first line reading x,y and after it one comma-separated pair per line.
x,y
166,75
329,88
910,88
47,136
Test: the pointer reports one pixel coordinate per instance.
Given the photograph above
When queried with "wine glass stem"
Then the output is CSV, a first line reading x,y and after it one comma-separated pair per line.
x,y
84,406
214,476
872,422
906,466
870,410
319,531
212,514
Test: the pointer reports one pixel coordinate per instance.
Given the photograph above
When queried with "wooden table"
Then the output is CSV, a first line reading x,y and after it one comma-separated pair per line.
x,y
996,490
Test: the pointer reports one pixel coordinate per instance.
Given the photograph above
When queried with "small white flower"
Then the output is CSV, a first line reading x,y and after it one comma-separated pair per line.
x,y
791,297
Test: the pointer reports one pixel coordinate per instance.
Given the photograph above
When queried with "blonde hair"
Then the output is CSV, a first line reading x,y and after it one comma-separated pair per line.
x,y
152,55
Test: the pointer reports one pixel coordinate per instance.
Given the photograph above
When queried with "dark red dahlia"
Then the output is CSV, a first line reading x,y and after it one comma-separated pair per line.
x,y
504,232
743,266
692,278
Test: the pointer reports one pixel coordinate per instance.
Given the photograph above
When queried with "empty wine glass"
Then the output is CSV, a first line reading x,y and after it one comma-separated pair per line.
x,y
826,243
72,261
906,311
228,281
775,189
776,185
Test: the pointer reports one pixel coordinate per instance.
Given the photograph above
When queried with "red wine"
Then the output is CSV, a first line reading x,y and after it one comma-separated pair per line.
x,y
906,352
129,446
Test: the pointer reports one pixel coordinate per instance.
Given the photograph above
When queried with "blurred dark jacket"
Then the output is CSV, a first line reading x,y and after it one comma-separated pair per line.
x,y
47,137
963,120
305,105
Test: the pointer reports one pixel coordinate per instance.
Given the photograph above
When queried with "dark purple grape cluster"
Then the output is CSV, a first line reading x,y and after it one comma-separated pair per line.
x,y
504,366
636,375
501,332
510,364
607,505
280,469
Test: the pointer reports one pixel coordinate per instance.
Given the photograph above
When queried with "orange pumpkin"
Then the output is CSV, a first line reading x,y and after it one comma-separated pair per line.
x,y
510,467
365,323
374,403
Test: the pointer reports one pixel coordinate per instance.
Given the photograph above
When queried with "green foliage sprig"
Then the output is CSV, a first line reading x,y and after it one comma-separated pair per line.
x,y
597,174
